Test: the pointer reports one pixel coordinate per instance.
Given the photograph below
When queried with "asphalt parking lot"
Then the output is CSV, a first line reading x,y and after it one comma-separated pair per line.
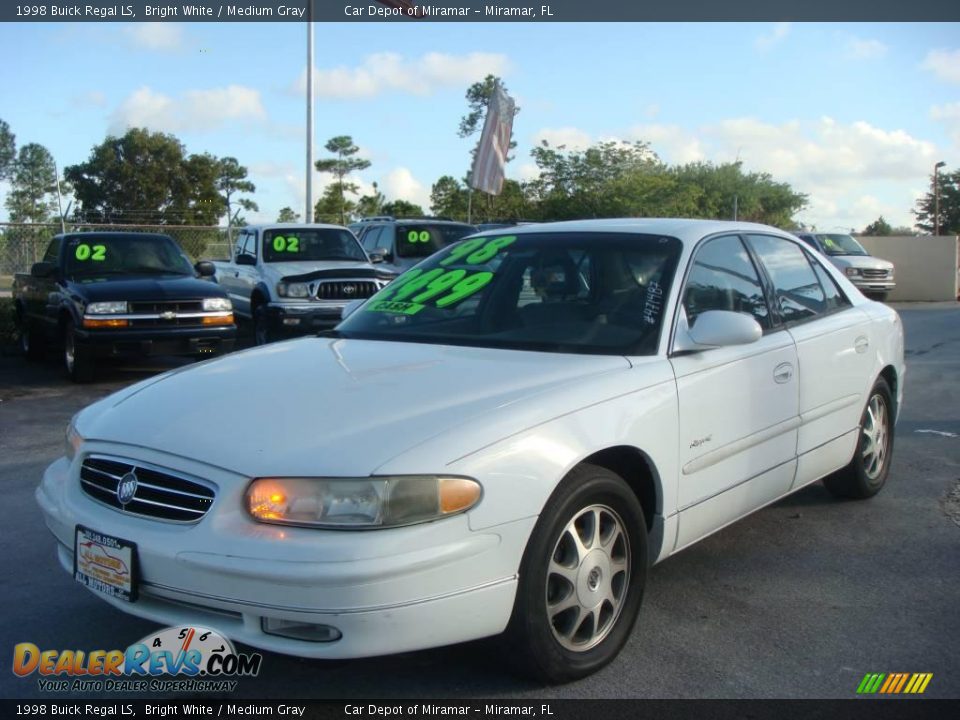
x,y
800,600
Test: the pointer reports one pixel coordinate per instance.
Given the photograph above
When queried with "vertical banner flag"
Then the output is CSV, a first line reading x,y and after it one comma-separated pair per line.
x,y
490,160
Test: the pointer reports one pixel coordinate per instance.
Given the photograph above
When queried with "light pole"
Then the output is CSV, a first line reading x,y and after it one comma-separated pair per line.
x,y
936,198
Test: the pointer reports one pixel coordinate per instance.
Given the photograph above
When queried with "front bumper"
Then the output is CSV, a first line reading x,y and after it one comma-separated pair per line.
x,y
385,591
872,285
291,319
164,341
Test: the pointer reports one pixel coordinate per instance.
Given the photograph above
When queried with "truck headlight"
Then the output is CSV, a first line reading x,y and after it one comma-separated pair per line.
x,y
73,440
293,290
851,271
216,304
113,307
360,503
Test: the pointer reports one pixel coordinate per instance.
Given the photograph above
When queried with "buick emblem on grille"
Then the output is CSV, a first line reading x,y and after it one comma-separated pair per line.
x,y
127,488
168,315
349,289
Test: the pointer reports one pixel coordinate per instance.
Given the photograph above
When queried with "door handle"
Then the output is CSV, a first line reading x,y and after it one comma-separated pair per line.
x,y
237,274
861,344
782,373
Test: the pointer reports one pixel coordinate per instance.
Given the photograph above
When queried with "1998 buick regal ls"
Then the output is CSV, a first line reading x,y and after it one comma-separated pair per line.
x,y
502,440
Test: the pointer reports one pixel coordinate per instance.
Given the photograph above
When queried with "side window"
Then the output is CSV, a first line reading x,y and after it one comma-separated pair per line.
x,y
798,291
53,251
723,278
371,238
241,242
835,297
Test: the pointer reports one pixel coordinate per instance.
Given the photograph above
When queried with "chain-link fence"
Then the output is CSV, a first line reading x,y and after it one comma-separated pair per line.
x,y
21,245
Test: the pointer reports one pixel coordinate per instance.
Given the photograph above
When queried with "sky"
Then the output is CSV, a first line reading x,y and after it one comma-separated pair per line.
x,y
854,115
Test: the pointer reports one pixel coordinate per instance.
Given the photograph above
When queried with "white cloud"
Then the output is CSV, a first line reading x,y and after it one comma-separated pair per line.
x,y
669,142
776,35
945,64
93,98
155,35
392,72
400,184
949,115
195,110
861,49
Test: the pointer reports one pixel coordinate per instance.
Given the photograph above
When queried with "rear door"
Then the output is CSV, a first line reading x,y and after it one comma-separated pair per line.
x,y
833,343
738,405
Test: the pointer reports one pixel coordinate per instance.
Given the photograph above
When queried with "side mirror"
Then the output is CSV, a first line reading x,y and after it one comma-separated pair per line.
x,y
349,308
717,328
375,257
43,270
383,253
205,268
246,260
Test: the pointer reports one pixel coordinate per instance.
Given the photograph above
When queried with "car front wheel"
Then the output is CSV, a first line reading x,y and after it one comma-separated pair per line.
x,y
77,358
868,470
581,579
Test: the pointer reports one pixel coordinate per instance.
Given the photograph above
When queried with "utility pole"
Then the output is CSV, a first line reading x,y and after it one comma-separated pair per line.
x,y
308,214
936,198
56,176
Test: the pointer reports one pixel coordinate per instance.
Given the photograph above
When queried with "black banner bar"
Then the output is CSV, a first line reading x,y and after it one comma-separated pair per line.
x,y
479,11
542,709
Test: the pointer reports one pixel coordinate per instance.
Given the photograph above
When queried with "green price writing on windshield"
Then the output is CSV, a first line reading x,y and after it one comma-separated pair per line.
x,y
286,244
479,250
84,252
421,236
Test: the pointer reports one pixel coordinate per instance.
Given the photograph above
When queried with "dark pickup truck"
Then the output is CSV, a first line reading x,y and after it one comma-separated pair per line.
x,y
99,294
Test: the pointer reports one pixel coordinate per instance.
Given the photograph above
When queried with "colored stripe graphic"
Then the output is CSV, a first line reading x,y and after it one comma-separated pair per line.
x,y
894,683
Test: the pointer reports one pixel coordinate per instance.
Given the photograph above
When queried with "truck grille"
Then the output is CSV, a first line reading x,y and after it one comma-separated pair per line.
x,y
158,494
170,313
874,274
346,290
156,307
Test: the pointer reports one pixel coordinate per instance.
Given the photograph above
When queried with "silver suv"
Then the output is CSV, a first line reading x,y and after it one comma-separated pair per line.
x,y
872,276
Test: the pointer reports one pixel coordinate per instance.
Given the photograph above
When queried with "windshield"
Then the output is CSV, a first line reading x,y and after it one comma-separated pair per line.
x,y
841,245
423,240
93,255
298,244
556,292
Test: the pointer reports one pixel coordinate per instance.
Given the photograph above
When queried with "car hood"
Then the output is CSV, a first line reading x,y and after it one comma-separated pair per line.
x,y
867,262
333,407
294,269
145,287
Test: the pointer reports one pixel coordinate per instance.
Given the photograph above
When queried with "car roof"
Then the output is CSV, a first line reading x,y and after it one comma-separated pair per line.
x,y
683,229
287,226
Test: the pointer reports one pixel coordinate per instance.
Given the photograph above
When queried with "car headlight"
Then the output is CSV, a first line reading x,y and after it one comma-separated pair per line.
x,y
360,503
113,307
851,272
294,290
216,304
73,440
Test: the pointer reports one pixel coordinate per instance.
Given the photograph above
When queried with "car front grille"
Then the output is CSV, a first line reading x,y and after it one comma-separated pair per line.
x,y
159,494
346,290
874,274
159,306
160,313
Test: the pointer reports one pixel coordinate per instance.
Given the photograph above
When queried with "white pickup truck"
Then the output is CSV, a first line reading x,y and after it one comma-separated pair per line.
x,y
293,279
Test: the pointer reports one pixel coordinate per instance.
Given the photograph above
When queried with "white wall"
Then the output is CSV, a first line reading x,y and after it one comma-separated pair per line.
x,y
926,266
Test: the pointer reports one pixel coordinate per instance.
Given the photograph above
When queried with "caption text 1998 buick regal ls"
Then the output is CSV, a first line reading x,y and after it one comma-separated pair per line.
x,y
502,440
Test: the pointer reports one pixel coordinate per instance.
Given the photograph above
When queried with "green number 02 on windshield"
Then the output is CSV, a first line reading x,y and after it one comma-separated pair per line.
x,y
286,244
84,252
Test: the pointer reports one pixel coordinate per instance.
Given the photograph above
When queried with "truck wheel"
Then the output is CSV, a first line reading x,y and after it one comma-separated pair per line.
x,y
581,579
261,326
77,358
31,342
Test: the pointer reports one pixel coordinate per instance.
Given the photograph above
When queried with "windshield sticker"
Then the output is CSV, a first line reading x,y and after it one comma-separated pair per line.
x,y
422,236
479,250
288,244
399,308
653,304
98,253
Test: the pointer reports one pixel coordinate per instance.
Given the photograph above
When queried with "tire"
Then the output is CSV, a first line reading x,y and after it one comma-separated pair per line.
x,y
576,603
32,344
867,472
77,358
261,326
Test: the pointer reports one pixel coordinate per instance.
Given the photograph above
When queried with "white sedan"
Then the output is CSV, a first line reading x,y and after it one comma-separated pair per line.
x,y
503,440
